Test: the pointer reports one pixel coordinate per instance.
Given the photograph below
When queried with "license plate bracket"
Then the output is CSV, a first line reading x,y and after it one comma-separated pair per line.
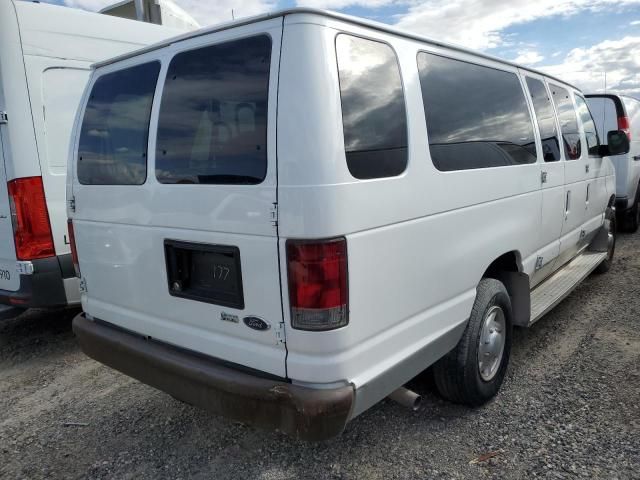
x,y
204,272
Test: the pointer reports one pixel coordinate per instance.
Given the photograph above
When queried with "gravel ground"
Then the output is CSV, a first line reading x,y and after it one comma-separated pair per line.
x,y
568,409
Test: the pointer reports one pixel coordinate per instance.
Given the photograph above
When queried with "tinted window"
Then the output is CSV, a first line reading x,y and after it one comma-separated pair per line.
x,y
477,116
633,112
546,120
373,110
589,126
213,116
568,122
115,127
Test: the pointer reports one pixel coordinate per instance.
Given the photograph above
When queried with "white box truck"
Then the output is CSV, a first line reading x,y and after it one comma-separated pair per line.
x,y
45,57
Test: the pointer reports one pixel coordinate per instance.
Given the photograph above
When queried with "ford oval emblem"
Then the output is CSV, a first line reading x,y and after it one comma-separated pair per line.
x,y
256,323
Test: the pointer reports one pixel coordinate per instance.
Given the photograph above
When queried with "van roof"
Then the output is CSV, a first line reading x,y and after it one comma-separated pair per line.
x,y
329,14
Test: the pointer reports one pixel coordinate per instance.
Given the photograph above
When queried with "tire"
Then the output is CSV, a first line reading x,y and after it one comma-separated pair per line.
x,y
605,265
457,375
633,218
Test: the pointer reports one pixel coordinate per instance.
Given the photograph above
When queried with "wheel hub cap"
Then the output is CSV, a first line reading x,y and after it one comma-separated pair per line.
x,y
492,340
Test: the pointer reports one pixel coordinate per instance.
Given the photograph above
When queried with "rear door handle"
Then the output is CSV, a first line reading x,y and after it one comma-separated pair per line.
x,y
567,204
636,158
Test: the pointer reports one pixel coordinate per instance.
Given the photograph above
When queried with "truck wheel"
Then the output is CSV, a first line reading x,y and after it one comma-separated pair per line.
x,y
605,265
633,218
473,371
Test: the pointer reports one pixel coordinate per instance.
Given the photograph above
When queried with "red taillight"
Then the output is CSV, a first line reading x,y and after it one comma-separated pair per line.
x,y
318,291
74,251
31,227
624,125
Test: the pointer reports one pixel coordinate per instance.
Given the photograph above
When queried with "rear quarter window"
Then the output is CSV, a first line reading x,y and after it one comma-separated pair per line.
x,y
477,116
115,128
212,127
374,117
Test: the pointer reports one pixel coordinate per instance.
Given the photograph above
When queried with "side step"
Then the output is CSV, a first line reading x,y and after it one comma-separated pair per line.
x,y
553,290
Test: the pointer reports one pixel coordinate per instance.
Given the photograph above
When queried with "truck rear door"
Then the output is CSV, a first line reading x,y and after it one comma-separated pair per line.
x,y
175,224
9,277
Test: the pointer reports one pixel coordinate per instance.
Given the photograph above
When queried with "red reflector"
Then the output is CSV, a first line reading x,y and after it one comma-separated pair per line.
x,y
624,125
74,251
318,291
31,227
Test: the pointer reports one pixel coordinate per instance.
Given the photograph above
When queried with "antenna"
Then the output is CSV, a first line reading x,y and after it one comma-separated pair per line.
x,y
233,17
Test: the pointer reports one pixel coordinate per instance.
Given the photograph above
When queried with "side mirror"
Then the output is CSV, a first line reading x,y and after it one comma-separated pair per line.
x,y
618,142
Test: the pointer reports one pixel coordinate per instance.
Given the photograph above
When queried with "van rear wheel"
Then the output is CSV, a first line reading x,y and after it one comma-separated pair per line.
x,y
633,218
473,371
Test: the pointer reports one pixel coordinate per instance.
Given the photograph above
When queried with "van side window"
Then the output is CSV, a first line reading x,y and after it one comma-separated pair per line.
x,y
568,122
546,120
477,117
115,128
374,118
590,131
212,127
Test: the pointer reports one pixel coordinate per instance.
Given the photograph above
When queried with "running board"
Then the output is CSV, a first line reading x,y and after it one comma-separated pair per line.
x,y
553,290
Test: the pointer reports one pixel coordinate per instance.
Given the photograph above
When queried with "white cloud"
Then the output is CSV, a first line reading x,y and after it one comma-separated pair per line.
x,y
634,23
479,24
528,57
586,67
205,12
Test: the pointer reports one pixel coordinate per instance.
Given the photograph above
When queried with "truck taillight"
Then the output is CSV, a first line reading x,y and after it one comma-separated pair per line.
x,y
623,124
31,227
74,251
318,290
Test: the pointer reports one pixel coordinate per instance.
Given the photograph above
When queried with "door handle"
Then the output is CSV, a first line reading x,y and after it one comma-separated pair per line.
x,y
636,158
567,204
586,168
588,185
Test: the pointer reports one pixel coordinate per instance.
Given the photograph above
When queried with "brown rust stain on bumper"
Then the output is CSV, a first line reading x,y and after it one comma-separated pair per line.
x,y
304,413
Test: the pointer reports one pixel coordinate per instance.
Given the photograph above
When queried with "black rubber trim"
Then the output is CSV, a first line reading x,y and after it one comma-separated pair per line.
x,y
43,288
302,412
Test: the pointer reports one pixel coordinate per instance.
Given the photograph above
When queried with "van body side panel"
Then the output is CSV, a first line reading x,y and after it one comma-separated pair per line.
x,y
122,233
56,87
407,285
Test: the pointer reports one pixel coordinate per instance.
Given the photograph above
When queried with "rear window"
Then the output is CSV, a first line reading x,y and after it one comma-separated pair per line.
x,y
212,127
477,116
374,118
115,128
568,122
633,112
546,120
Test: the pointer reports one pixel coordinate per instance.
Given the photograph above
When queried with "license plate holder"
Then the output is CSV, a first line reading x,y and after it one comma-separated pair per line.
x,y
204,272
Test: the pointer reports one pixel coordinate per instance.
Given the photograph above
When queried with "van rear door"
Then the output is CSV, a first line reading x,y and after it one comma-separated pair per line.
x,y
180,244
9,277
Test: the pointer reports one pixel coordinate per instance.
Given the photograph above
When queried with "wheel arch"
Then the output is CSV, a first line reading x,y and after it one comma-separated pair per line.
x,y
507,268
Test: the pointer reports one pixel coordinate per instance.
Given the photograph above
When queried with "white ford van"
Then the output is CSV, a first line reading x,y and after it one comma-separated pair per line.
x,y
45,57
621,112
284,219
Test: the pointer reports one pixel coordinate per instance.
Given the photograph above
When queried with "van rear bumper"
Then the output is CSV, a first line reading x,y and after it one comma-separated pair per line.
x,y
302,412
44,287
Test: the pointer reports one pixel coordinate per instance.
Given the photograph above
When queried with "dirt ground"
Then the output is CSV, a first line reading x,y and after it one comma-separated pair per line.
x,y
569,408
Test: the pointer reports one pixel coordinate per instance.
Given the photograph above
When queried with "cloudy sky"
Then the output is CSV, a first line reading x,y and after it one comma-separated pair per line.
x,y
578,40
